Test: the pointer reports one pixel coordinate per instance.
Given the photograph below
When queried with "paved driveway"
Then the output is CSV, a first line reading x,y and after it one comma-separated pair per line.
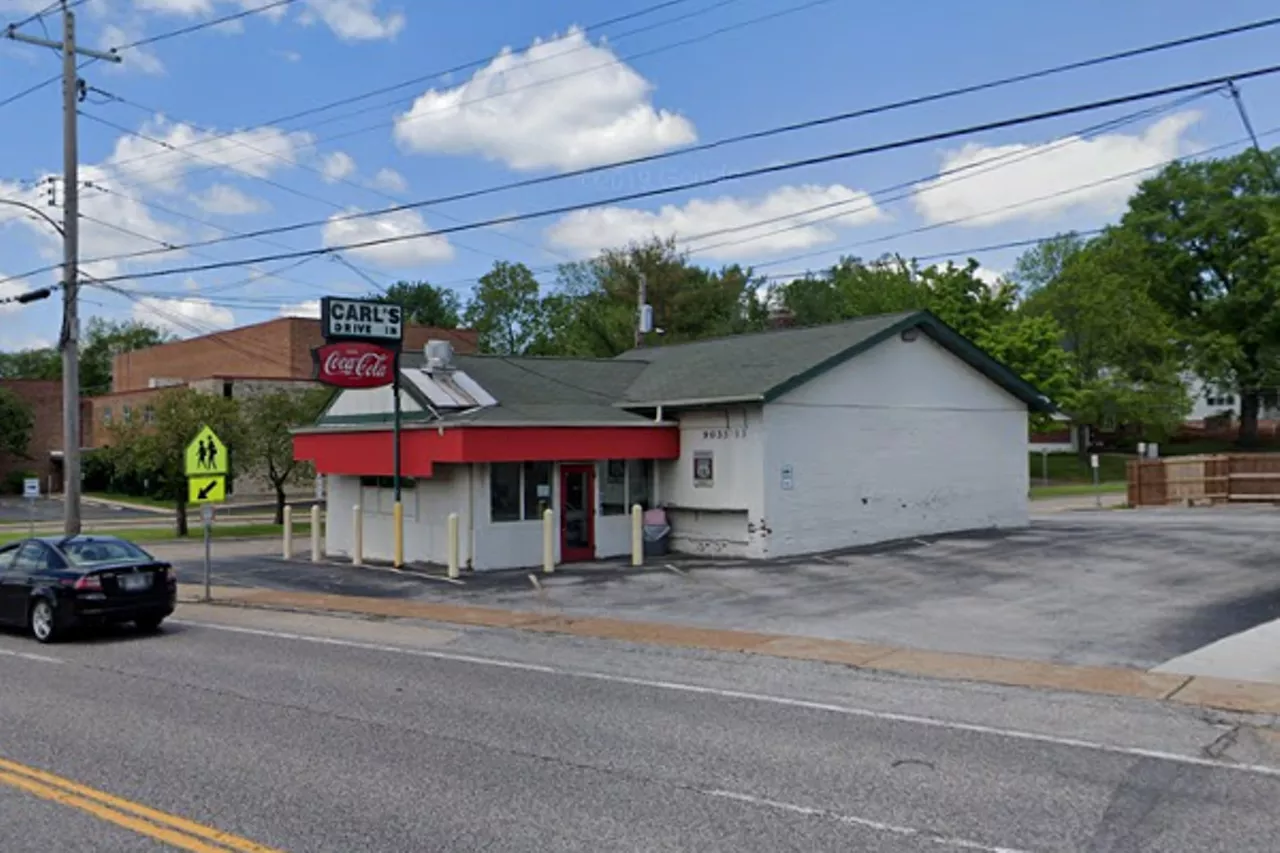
x,y
1114,587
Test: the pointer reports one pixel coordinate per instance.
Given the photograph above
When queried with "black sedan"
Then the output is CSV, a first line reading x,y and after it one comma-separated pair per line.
x,y
56,584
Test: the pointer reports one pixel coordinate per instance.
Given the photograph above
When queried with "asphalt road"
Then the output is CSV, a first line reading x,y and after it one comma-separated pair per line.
x,y
317,734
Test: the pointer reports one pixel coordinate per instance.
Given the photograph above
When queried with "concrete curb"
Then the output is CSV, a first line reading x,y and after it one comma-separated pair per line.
x,y
1195,691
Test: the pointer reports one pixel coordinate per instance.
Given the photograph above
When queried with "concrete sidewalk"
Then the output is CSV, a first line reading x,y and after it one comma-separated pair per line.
x,y
1200,691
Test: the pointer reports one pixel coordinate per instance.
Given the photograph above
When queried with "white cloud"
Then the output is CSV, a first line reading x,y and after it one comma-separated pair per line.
x,y
139,58
989,277
355,20
389,180
1060,168
289,55
336,166
226,200
403,253
111,223
183,317
586,232
563,103
310,309
257,152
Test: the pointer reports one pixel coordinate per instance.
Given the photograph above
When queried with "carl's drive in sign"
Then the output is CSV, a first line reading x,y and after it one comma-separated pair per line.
x,y
354,364
361,319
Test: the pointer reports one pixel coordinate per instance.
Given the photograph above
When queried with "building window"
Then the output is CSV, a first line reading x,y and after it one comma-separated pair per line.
x,y
504,491
106,415
537,489
378,496
149,415
640,483
128,414
624,483
613,487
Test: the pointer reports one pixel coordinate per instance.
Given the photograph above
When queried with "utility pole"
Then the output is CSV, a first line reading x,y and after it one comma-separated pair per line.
x,y
70,337
644,313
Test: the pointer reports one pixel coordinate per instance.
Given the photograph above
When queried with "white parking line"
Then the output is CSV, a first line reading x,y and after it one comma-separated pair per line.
x,y
29,656
784,701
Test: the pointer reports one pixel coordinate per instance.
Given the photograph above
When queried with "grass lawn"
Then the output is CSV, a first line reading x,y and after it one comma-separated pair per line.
x,y
1073,489
165,534
130,499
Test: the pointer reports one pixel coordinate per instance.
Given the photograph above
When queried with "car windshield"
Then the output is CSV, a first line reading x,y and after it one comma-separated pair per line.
x,y
88,552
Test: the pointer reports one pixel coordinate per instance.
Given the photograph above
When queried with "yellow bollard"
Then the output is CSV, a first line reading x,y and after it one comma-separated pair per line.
x,y
317,540
288,533
453,545
357,529
637,535
548,542
397,519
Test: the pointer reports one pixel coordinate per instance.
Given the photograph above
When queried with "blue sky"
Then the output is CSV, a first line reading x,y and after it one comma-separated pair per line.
x,y
215,97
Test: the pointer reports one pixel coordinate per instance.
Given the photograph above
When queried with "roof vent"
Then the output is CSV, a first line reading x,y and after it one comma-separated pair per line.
x,y
439,355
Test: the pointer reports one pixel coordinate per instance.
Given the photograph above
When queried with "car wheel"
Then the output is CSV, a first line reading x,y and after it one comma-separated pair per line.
x,y
148,625
43,621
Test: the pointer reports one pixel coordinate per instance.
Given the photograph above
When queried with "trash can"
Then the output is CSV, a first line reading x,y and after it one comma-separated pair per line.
x,y
656,533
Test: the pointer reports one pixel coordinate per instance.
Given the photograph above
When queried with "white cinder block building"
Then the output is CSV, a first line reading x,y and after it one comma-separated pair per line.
x,y
764,445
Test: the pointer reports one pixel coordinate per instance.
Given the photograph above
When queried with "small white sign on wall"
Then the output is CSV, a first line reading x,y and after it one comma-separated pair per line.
x,y
31,487
788,478
704,469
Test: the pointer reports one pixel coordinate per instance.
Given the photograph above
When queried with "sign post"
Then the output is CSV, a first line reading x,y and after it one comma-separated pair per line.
x,y
206,466
31,493
1097,493
359,335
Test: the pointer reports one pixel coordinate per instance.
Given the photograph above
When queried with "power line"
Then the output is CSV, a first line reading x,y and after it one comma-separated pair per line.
x,y
212,22
236,139
688,185
867,111
1017,205
477,63
908,189
35,16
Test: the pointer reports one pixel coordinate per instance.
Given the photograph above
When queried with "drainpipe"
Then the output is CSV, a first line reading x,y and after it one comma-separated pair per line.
x,y
657,418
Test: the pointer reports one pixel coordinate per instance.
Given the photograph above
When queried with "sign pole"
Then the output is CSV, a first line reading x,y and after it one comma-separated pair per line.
x,y
395,477
206,516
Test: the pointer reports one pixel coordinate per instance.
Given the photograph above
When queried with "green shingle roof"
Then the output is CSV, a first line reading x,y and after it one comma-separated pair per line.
x,y
752,367
765,365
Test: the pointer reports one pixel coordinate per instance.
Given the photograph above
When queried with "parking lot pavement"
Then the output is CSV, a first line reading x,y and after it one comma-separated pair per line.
x,y
1118,588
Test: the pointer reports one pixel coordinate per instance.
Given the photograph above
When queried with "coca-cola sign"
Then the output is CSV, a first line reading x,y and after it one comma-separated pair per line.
x,y
354,365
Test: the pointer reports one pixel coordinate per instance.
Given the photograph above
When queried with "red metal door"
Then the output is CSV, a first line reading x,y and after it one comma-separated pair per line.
x,y
577,513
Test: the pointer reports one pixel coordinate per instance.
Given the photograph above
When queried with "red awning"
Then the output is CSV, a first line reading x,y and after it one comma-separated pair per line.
x,y
370,453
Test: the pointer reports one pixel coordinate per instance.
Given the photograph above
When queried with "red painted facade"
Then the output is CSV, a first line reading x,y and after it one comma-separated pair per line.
x,y
370,452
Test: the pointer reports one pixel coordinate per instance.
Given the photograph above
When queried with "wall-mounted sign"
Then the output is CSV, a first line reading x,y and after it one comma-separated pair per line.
x,y
31,487
354,364
361,319
788,478
704,469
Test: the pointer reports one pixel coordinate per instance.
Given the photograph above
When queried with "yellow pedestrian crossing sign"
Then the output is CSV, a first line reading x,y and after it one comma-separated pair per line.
x,y
206,490
207,455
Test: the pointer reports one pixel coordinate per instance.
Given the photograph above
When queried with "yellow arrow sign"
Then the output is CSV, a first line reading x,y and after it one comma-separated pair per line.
x,y
206,490
207,455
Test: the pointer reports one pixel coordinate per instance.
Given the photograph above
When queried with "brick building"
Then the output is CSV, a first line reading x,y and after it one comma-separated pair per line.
x,y
236,363
44,451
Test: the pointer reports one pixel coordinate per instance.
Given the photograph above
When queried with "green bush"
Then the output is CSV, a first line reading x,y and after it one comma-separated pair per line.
x,y
12,483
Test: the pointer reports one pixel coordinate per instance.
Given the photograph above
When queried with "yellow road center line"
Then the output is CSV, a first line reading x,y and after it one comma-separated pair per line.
x,y
171,829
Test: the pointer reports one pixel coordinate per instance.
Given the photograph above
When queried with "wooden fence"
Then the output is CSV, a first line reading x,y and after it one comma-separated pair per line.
x,y
1208,479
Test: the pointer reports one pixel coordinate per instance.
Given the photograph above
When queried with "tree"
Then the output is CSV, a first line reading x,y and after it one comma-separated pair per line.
x,y
506,309
1041,265
268,439
1125,359
16,424
156,452
1210,230
103,341
44,363
425,304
